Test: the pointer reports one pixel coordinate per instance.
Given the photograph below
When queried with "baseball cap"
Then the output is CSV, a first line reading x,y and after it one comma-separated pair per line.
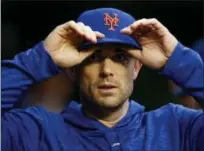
x,y
108,21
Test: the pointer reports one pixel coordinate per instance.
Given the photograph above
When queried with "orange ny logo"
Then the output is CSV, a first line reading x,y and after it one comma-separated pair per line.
x,y
111,21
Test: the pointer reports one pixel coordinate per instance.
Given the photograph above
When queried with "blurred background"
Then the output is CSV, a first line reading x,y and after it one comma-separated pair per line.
x,y
25,23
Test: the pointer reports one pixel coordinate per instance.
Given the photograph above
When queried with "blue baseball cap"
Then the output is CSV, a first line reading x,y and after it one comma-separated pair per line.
x,y
108,21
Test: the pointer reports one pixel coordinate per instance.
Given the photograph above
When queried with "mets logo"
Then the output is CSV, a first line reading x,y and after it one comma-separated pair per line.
x,y
111,21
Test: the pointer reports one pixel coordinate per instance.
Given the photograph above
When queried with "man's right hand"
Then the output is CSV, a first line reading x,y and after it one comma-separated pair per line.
x,y
63,42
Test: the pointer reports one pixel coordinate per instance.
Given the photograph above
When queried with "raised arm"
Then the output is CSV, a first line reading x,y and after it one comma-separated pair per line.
x,y
26,69
59,49
21,128
161,50
185,67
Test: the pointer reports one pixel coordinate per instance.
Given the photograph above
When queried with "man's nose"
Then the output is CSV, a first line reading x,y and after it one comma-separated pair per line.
x,y
106,68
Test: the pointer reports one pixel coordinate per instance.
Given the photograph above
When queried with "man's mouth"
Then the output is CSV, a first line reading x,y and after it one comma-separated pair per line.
x,y
106,88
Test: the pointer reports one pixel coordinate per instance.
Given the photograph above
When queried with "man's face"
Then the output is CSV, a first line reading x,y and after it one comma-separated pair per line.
x,y
107,76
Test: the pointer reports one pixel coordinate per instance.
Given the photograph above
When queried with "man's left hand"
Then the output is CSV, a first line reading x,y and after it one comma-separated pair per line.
x,y
156,41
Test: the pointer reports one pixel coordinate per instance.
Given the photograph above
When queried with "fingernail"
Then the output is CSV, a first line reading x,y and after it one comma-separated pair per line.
x,y
123,29
102,35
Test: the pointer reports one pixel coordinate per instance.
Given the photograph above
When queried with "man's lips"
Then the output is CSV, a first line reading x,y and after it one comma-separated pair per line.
x,y
106,86
106,89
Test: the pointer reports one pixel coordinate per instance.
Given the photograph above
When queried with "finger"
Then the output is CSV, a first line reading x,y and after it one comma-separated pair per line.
x,y
92,34
137,24
126,30
88,35
88,31
143,29
148,24
73,26
83,28
154,23
99,34
136,53
130,29
67,25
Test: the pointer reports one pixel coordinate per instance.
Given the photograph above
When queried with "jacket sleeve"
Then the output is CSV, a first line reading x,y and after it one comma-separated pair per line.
x,y
27,68
185,68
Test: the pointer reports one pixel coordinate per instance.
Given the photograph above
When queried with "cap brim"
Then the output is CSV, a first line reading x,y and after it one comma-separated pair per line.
x,y
110,41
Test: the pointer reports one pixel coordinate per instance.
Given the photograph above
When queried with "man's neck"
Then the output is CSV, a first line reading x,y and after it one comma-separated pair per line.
x,y
108,117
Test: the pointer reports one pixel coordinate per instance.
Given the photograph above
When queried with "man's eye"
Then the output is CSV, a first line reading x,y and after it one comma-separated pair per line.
x,y
120,57
93,58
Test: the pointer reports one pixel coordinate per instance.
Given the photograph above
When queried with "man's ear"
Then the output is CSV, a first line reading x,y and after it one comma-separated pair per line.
x,y
136,69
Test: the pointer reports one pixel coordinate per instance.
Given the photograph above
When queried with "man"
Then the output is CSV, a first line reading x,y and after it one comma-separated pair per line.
x,y
104,50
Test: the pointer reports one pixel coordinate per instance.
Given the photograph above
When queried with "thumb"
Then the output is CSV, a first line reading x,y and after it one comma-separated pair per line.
x,y
136,53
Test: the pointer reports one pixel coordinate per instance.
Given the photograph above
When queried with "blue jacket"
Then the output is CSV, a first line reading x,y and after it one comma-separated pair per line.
x,y
171,127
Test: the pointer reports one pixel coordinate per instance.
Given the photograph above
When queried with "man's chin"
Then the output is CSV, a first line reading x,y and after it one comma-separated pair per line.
x,y
108,103
100,101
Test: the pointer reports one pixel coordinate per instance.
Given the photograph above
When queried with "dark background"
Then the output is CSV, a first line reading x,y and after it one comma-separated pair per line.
x,y
26,23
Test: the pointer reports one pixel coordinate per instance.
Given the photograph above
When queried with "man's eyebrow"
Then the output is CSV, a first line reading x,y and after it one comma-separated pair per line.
x,y
121,51
117,49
